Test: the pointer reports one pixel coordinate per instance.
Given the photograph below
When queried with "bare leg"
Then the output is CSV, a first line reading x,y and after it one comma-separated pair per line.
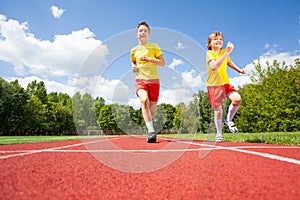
x,y
235,98
145,104
218,112
152,109
148,114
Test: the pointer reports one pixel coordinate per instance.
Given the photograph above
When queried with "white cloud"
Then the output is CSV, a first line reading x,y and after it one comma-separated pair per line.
x,y
113,91
179,46
269,56
193,79
61,57
175,62
135,103
175,96
271,46
51,86
57,12
240,81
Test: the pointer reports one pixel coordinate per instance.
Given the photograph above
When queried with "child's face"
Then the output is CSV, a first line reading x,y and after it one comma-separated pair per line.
x,y
217,42
143,33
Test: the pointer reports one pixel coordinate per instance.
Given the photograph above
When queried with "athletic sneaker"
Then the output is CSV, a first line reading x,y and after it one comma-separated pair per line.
x,y
151,137
231,126
219,138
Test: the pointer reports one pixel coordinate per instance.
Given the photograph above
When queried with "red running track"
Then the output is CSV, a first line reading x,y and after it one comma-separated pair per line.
x,y
127,167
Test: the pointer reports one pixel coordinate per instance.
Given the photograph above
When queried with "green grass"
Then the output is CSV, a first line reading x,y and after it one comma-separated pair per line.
x,y
29,139
287,138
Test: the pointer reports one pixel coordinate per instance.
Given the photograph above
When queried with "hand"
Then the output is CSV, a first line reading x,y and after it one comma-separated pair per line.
x,y
134,68
229,47
242,71
144,58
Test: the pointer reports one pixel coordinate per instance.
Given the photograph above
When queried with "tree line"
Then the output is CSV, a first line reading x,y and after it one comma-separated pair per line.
x,y
270,104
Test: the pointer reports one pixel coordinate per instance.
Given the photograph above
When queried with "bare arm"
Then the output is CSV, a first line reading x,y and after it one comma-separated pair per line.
x,y
134,67
215,64
235,67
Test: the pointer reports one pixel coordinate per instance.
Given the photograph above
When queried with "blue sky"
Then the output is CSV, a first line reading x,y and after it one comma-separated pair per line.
x,y
54,44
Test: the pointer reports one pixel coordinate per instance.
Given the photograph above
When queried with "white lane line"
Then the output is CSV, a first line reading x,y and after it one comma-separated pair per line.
x,y
59,149
144,150
205,147
111,150
266,155
28,152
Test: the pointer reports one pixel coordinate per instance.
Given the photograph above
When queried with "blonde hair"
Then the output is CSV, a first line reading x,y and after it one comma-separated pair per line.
x,y
211,37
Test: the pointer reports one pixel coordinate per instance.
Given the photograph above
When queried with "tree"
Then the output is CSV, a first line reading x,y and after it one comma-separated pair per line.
x,y
106,118
38,90
205,111
60,115
99,102
164,118
34,122
6,98
271,102
18,111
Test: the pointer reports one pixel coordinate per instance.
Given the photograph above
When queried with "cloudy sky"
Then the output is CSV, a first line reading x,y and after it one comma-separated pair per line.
x,y
84,45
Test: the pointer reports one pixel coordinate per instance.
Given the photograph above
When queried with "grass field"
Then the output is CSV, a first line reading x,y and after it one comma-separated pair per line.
x,y
287,138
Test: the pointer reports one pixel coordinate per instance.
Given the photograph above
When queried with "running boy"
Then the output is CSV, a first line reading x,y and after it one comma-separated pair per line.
x,y
145,57
218,86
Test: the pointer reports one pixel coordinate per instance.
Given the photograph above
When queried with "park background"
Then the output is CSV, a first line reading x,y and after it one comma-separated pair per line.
x,y
44,43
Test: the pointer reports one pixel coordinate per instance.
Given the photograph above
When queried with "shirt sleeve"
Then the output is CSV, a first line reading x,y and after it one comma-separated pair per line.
x,y
132,58
209,56
157,51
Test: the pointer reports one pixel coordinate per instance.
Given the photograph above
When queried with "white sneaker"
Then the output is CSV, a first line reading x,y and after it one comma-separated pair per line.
x,y
231,126
219,138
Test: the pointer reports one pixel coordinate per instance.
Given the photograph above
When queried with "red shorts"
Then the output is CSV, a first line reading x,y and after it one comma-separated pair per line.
x,y
151,86
217,93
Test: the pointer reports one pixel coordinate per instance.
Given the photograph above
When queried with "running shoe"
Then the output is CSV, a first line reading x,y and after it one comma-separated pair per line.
x,y
151,137
231,126
219,138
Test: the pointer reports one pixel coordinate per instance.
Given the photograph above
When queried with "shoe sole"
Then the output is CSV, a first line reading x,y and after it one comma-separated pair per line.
x,y
232,131
151,138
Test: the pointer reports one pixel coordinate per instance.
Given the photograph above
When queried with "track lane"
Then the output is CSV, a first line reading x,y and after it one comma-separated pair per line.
x,y
62,172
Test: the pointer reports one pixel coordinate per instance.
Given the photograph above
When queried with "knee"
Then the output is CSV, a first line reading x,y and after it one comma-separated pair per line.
x,y
144,101
236,99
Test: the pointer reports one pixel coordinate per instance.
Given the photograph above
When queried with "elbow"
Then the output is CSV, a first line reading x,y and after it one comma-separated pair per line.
x,y
213,68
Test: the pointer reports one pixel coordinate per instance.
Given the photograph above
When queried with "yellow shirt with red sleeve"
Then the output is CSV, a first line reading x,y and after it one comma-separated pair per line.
x,y
146,70
217,77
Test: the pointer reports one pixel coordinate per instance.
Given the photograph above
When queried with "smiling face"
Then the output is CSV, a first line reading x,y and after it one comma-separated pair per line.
x,y
143,34
215,41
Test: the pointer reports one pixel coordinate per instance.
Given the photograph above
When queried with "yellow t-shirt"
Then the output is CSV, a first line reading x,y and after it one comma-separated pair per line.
x,y
146,70
218,77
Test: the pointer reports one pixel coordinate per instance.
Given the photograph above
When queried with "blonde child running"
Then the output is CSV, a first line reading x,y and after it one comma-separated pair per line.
x,y
218,86
145,57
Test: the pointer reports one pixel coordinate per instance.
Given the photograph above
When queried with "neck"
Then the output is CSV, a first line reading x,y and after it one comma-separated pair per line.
x,y
143,41
217,50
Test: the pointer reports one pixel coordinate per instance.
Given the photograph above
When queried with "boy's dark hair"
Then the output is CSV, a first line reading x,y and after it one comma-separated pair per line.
x,y
213,35
143,23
